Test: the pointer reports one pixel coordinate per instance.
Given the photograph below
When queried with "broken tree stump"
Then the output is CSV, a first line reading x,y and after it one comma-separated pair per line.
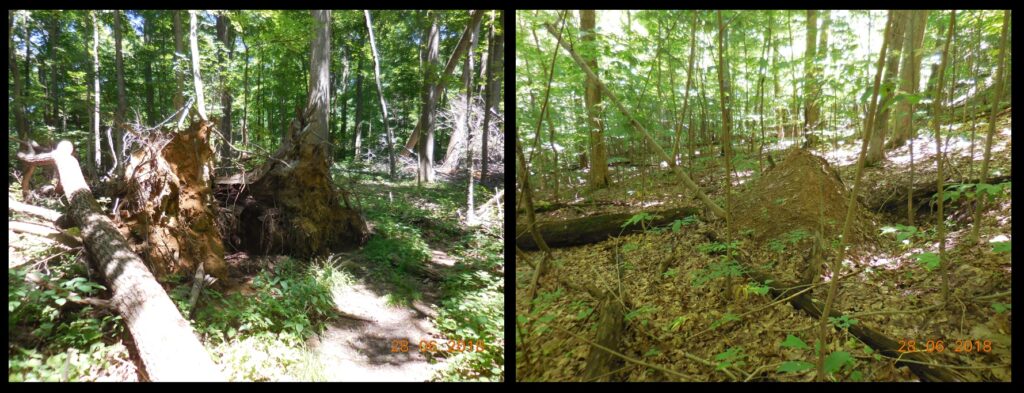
x,y
169,203
601,363
593,229
165,341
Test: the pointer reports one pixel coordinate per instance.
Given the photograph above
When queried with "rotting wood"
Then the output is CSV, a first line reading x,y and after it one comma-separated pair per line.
x,y
165,341
586,230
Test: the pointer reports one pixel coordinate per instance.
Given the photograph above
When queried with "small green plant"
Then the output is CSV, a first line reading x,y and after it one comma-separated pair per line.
x,y
686,221
641,313
642,218
717,269
902,232
726,318
671,272
677,323
758,289
1000,307
1003,247
731,357
843,322
717,247
928,260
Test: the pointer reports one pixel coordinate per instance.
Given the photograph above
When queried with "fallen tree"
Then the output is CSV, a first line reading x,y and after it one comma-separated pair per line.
x,y
165,341
893,197
594,229
880,342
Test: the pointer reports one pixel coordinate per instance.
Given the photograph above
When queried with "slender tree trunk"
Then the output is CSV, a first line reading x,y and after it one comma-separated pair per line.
x,y
909,76
470,207
54,40
1000,81
179,67
96,90
686,95
725,94
881,128
811,110
598,152
194,45
380,94
937,113
872,107
147,70
122,102
495,43
344,105
224,34
356,130
20,118
425,148
245,106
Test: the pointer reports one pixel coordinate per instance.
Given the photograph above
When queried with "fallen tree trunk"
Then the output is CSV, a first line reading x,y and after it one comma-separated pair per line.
x,y
610,325
594,229
165,341
880,342
37,211
543,207
893,197
44,231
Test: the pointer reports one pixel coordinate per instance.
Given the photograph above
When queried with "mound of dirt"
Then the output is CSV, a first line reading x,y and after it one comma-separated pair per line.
x,y
795,195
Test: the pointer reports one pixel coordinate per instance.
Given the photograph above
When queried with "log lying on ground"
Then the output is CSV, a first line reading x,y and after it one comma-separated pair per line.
x,y
593,229
893,197
880,342
543,207
601,363
166,343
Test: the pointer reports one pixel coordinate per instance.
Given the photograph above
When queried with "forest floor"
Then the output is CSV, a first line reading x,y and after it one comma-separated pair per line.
x,y
423,277
684,319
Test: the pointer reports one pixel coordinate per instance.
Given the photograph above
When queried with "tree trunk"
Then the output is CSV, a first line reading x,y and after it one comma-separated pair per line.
x,y
96,88
224,34
147,70
20,118
438,87
296,207
601,365
54,40
198,80
725,94
380,94
165,341
425,147
909,76
593,229
810,76
598,152
122,100
876,152
356,132
1001,80
179,68
344,106
687,181
495,43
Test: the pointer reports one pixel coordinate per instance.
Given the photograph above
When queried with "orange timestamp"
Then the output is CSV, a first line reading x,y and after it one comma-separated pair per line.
x,y
958,346
450,345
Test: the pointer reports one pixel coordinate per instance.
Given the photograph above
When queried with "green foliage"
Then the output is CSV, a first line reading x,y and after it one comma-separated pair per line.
x,y
836,360
641,218
1000,307
843,322
795,342
717,269
688,220
954,192
731,357
726,318
676,323
629,247
759,289
902,232
641,313
671,272
1001,247
717,247
928,260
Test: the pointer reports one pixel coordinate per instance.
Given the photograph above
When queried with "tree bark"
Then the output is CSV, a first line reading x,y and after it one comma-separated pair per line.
x,y
356,131
122,100
441,79
593,229
425,147
20,117
380,94
96,88
1000,82
810,76
179,68
876,152
909,76
595,123
198,80
53,39
165,341
224,34
495,43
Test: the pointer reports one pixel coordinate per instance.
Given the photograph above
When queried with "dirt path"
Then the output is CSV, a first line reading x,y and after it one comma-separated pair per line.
x,y
360,347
